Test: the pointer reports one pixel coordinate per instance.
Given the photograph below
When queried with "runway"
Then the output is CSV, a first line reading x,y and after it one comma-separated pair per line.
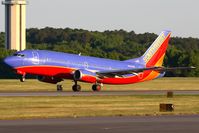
x,y
102,93
147,124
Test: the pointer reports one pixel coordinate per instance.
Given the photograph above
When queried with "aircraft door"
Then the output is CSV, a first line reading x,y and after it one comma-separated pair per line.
x,y
35,58
86,65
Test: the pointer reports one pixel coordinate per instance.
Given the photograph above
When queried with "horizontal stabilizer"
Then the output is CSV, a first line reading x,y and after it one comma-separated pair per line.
x,y
164,69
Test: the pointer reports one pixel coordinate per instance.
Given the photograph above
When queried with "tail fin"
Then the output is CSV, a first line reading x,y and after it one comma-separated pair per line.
x,y
154,56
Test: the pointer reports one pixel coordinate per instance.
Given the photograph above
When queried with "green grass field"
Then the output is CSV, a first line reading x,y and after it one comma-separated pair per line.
x,y
83,106
159,84
57,107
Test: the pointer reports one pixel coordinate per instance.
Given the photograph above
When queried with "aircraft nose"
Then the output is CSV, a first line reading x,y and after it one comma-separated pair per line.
x,y
8,61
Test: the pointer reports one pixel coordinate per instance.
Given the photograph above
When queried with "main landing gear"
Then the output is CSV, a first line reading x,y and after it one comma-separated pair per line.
x,y
76,87
96,87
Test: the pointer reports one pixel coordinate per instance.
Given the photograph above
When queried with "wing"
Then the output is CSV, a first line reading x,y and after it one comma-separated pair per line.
x,y
120,73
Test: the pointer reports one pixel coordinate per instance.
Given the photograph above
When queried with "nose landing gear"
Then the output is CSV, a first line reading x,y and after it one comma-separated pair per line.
x,y
59,88
23,78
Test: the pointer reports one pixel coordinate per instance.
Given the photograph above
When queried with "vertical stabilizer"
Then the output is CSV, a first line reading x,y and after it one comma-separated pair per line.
x,y
154,56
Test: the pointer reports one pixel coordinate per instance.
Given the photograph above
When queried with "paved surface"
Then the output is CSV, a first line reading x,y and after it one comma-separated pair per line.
x,y
151,124
103,93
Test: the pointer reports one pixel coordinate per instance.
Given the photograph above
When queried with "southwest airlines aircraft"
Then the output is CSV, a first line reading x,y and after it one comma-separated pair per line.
x,y
53,67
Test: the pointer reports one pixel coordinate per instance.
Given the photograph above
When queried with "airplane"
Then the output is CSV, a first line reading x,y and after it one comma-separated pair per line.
x,y
54,67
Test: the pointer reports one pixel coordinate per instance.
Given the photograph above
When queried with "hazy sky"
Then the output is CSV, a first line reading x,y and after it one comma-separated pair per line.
x,y
180,16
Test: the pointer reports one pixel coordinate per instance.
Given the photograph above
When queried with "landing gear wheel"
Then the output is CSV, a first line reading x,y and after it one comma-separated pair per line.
x,y
22,78
59,88
76,88
96,87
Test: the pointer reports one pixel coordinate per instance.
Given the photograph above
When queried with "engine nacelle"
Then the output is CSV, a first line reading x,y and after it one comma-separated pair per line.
x,y
78,75
48,79
84,75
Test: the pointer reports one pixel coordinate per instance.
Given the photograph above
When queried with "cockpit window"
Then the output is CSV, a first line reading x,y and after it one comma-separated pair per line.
x,y
19,55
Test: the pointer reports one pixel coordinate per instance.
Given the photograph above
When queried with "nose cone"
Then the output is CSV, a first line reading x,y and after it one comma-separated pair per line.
x,y
9,61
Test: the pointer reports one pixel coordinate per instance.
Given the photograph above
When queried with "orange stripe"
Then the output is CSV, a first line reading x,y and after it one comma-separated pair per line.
x,y
151,76
155,74
160,61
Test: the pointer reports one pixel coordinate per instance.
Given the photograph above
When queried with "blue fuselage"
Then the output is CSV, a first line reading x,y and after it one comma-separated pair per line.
x,y
50,58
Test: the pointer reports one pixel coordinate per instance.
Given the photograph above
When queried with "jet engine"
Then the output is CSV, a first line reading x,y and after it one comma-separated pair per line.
x,y
84,75
48,79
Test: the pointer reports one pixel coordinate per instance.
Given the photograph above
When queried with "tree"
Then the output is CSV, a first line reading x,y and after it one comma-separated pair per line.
x,y
2,40
118,44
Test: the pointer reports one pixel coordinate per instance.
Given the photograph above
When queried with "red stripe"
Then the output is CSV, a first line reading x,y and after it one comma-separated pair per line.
x,y
65,73
47,71
159,52
128,80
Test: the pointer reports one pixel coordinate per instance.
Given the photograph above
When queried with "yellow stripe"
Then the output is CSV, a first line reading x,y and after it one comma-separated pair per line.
x,y
160,61
155,74
151,76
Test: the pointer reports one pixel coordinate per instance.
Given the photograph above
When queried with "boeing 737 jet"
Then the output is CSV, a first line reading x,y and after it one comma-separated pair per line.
x,y
54,67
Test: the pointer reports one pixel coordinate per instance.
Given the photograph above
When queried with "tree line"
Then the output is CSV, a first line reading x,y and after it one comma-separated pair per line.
x,y
118,45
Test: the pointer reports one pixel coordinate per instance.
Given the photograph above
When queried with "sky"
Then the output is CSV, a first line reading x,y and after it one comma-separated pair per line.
x,y
179,16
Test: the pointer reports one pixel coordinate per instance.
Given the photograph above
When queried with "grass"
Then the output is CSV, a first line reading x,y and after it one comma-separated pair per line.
x,y
85,106
159,84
